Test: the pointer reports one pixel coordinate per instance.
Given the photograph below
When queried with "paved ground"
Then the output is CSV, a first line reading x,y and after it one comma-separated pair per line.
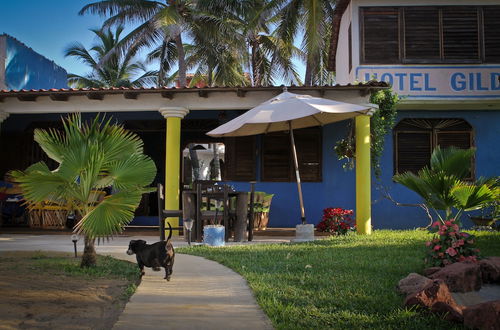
x,y
201,295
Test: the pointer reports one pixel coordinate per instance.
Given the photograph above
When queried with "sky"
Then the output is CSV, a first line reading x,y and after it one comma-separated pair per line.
x,y
49,26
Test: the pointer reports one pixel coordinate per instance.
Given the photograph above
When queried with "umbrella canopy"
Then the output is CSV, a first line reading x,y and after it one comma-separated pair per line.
x,y
299,111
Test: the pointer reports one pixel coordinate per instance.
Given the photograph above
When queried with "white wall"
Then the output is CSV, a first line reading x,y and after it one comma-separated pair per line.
x,y
426,81
342,56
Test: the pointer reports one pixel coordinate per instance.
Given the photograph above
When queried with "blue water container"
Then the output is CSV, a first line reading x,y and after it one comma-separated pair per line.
x,y
214,235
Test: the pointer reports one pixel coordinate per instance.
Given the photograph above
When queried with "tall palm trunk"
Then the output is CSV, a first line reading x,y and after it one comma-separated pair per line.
x,y
89,257
195,163
308,81
216,163
255,65
182,59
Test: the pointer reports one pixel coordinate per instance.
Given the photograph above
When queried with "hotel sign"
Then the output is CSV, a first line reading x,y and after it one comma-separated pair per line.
x,y
437,81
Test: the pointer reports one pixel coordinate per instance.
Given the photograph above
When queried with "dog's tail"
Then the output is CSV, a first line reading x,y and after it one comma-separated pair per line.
x,y
170,229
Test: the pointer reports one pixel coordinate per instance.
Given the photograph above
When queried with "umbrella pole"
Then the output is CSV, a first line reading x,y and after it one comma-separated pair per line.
x,y
297,175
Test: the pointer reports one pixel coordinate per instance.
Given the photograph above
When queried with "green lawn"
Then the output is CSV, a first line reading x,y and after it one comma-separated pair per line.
x,y
341,282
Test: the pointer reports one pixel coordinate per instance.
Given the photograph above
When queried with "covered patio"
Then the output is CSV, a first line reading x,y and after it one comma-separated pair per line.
x,y
176,105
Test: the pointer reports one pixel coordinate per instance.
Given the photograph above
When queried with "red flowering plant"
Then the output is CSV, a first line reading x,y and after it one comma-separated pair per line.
x,y
336,221
450,245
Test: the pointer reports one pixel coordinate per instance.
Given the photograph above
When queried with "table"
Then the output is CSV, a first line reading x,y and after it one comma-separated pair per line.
x,y
191,210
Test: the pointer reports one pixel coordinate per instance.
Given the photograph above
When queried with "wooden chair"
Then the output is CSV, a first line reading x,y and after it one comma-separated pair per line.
x,y
163,214
210,195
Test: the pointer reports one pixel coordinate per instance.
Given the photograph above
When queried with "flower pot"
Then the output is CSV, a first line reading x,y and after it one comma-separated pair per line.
x,y
479,221
213,235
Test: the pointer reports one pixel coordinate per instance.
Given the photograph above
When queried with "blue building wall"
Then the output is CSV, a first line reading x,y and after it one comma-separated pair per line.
x,y
338,186
26,69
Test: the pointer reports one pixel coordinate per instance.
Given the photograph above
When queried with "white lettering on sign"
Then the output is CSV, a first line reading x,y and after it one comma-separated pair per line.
x,y
437,81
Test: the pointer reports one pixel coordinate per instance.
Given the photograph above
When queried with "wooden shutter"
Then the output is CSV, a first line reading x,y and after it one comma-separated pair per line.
x,y
460,33
413,151
461,140
309,153
239,159
491,19
421,34
380,35
276,157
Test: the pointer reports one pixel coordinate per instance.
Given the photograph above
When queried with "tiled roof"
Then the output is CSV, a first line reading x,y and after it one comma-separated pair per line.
x,y
119,90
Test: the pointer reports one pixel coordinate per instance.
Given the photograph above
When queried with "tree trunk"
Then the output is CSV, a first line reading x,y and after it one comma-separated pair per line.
x,y
89,257
195,163
255,69
161,72
181,61
309,74
216,163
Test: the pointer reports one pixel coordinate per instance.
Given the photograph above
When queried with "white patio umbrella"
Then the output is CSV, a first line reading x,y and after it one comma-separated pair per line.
x,y
286,112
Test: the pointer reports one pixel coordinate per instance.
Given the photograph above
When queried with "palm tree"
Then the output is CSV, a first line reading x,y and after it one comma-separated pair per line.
x,y
91,156
117,71
158,22
443,184
315,17
247,31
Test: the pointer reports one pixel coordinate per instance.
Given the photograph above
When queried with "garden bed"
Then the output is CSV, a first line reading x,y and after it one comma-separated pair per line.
x,y
49,290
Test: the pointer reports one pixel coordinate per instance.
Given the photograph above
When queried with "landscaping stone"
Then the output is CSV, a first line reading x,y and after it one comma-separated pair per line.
x,y
460,276
434,292
485,316
431,270
413,283
490,269
448,312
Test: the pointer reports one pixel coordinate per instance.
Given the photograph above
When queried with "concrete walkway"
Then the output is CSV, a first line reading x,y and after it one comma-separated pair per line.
x,y
202,294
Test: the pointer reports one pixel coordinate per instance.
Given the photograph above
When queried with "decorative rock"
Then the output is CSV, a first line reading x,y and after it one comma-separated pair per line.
x,y
431,270
413,283
490,269
448,312
434,292
483,316
460,276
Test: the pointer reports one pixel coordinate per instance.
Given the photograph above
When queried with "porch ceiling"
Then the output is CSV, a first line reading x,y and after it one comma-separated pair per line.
x,y
152,99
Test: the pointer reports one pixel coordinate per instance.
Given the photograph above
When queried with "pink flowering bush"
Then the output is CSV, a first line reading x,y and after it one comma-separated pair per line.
x,y
336,221
450,245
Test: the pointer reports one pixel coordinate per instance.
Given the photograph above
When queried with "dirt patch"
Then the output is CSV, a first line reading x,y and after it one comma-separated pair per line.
x,y
39,292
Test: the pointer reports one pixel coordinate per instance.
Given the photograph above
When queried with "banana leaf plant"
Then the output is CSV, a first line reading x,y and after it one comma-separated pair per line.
x,y
444,186
91,156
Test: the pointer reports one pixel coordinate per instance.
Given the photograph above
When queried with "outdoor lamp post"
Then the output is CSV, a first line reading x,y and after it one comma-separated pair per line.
x,y
74,238
188,225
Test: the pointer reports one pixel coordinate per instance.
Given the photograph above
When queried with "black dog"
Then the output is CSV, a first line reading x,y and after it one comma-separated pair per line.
x,y
159,254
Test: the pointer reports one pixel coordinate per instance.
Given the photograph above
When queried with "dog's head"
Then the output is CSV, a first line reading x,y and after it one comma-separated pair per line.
x,y
135,246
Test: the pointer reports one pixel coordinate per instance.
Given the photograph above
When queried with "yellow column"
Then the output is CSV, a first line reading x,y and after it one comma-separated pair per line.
x,y
172,161
363,175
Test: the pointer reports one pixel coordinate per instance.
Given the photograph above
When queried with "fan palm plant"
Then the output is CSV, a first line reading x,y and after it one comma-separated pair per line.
x,y
444,187
91,156
118,70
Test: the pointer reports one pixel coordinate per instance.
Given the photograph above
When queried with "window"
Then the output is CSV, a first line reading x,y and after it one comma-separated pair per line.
x,y
381,35
240,159
277,160
415,139
419,34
